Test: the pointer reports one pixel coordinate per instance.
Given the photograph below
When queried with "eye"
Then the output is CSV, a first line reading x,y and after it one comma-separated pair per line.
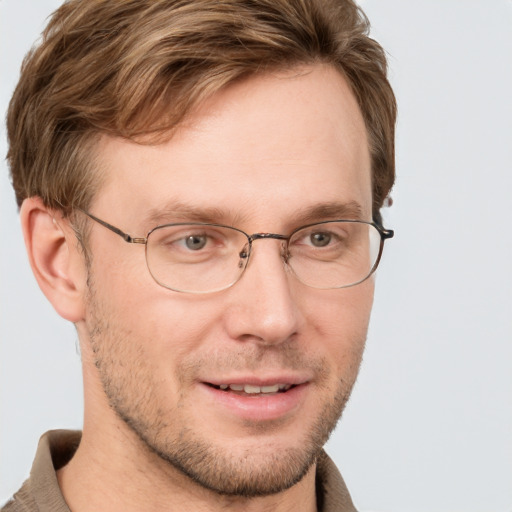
x,y
320,239
188,240
196,242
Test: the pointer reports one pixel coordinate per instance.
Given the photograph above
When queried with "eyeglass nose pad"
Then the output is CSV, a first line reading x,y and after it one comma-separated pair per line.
x,y
244,255
285,252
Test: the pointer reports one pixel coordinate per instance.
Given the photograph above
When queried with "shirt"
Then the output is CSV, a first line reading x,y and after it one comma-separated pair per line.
x,y
41,492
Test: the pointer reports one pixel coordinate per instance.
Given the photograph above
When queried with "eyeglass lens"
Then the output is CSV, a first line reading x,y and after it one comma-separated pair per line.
x,y
205,258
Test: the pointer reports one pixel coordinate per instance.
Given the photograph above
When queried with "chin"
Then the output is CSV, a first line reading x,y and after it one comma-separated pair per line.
x,y
267,460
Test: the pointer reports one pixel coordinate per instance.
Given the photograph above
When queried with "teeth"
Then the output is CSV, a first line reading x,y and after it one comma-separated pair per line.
x,y
270,389
252,390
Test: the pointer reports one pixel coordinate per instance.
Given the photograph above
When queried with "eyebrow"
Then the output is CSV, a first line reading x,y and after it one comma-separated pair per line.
x,y
330,211
177,211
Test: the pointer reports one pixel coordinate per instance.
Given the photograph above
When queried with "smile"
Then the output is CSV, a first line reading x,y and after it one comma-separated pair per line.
x,y
252,401
252,389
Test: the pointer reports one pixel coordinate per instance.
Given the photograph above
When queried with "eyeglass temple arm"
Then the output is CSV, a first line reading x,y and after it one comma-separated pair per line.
x,y
386,233
125,236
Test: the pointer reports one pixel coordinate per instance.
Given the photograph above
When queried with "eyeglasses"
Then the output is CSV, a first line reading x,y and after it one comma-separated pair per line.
x,y
197,257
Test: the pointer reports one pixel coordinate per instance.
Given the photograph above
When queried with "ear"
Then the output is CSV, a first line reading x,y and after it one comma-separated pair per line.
x,y
57,263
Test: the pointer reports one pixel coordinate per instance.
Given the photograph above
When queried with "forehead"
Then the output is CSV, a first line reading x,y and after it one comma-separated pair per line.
x,y
266,146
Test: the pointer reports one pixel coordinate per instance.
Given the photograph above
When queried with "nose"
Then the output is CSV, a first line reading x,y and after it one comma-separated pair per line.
x,y
263,307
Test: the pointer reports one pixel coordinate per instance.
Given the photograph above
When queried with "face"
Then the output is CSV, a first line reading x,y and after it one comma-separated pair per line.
x,y
268,154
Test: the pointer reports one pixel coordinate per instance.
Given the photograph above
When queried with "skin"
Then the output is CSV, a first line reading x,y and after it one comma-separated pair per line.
x,y
257,155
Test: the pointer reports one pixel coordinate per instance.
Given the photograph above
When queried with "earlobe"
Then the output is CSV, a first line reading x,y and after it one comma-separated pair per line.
x,y
56,262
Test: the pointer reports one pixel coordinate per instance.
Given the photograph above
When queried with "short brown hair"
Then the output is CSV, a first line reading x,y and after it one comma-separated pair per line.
x,y
134,68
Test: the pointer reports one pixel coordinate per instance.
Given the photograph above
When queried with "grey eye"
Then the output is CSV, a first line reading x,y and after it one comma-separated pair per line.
x,y
320,239
196,242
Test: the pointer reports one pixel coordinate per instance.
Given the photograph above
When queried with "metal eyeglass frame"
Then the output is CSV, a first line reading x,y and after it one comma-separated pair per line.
x,y
244,254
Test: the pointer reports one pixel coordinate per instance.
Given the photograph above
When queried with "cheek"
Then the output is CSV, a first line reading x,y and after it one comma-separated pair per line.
x,y
166,325
341,319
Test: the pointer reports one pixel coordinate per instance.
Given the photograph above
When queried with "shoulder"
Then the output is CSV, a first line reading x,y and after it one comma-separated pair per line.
x,y
41,491
22,501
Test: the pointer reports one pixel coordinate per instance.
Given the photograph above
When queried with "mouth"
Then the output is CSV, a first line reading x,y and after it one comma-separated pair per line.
x,y
257,399
251,389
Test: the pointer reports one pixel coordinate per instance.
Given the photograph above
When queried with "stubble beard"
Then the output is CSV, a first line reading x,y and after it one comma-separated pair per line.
x,y
128,384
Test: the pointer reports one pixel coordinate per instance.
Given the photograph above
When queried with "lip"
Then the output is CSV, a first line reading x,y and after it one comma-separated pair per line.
x,y
261,380
258,407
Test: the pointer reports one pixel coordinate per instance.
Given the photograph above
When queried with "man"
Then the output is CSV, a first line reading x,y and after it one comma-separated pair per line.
x,y
199,187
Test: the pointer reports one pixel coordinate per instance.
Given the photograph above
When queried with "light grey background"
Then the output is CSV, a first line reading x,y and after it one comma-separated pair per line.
x,y
429,427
